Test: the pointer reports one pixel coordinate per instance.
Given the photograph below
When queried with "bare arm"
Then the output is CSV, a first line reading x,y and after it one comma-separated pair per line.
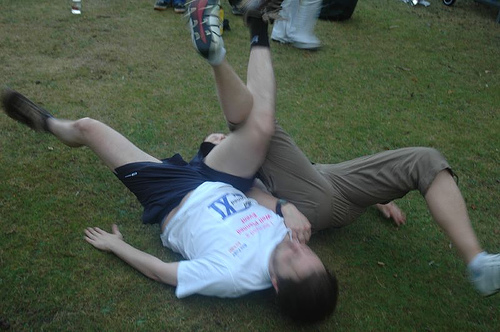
x,y
145,263
294,219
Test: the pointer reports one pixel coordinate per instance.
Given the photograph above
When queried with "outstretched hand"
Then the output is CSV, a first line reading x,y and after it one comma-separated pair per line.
x,y
392,211
101,239
297,222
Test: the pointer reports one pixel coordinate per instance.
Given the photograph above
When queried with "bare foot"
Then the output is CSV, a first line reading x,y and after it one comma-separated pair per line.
x,y
392,211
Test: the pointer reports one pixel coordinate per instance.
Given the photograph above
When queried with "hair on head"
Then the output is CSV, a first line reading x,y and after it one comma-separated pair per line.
x,y
309,300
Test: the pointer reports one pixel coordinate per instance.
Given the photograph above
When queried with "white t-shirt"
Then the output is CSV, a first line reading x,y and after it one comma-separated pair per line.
x,y
228,239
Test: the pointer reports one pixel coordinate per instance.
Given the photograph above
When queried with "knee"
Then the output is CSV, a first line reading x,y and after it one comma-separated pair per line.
x,y
268,128
86,126
430,156
265,127
430,162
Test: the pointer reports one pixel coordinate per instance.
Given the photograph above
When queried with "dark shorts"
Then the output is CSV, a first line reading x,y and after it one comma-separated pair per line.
x,y
160,187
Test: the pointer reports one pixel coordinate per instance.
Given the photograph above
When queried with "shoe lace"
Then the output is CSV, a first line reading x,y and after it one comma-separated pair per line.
x,y
192,9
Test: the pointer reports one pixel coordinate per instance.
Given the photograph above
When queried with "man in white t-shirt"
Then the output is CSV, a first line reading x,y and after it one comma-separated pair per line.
x,y
232,244
228,239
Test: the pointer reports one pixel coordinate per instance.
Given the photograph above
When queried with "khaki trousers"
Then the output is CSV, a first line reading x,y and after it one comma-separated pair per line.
x,y
334,195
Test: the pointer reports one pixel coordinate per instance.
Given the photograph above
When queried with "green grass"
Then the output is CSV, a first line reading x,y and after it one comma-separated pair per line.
x,y
390,77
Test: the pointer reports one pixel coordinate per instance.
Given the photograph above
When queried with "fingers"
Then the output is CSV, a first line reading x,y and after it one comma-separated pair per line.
x,y
396,214
392,211
116,231
299,237
303,235
308,236
302,238
94,232
92,235
89,240
399,218
304,230
99,238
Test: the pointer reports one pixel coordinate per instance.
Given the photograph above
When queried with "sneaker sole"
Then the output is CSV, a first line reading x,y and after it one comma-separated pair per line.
x,y
306,46
493,293
23,110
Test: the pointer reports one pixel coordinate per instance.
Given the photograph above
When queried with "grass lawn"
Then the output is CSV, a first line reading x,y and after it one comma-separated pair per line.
x,y
392,76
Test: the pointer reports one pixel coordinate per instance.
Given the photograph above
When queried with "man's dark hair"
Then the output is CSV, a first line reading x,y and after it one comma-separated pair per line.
x,y
309,300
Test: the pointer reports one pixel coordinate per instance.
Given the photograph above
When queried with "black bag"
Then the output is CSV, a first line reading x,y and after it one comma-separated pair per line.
x,y
337,10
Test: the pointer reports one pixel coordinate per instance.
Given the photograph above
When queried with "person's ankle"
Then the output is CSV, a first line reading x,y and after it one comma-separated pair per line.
x,y
259,35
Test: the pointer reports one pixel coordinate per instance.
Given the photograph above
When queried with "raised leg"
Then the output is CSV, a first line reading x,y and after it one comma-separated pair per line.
x,y
235,98
248,108
244,150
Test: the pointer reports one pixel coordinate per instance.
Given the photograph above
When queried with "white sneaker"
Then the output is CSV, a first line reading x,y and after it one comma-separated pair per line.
x,y
204,22
312,43
484,272
302,29
278,33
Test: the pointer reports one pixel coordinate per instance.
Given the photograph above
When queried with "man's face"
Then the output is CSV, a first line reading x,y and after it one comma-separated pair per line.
x,y
293,260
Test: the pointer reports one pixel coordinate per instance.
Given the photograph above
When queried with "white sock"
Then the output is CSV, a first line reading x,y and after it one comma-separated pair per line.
x,y
476,263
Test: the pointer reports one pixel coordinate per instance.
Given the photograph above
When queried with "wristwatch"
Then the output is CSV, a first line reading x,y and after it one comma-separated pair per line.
x,y
279,204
